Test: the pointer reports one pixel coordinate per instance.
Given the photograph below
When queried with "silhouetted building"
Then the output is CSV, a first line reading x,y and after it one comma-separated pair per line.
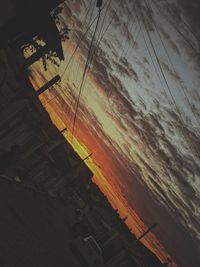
x,y
33,228
32,20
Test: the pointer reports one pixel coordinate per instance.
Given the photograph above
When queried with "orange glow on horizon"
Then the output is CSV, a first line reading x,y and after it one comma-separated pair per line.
x,y
110,190
116,201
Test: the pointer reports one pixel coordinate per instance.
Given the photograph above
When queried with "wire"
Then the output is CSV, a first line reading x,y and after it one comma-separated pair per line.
x,y
136,33
84,17
50,100
151,57
77,67
175,27
71,58
79,42
83,21
92,8
162,72
99,41
84,73
157,59
104,18
171,63
77,46
109,24
182,20
180,116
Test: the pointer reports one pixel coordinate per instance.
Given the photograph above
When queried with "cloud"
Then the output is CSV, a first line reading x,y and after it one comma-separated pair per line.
x,y
124,68
149,156
191,9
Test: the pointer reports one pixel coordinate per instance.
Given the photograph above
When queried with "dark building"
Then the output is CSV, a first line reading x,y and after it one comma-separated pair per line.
x,y
29,21
33,228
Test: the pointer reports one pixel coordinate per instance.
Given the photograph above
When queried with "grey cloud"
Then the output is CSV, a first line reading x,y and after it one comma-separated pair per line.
x,y
125,68
191,9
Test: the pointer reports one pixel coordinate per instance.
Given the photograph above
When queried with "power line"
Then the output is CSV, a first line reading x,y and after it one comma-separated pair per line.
x,y
84,17
174,14
75,50
50,100
170,61
104,17
78,44
175,27
153,63
109,24
85,24
137,31
80,41
97,45
102,36
150,54
157,59
123,50
162,72
180,117
92,8
132,44
183,21
84,73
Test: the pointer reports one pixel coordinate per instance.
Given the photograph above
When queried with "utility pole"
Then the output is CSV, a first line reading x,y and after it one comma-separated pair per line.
x,y
150,229
47,85
63,130
89,156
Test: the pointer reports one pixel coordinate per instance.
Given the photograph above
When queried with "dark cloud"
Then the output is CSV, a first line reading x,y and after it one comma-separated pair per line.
x,y
192,139
191,9
168,38
110,46
115,16
144,13
124,67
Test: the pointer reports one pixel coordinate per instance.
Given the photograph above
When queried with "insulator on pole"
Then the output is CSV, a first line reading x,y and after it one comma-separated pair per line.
x,y
99,3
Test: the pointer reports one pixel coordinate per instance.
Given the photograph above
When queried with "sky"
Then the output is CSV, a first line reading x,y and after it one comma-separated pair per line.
x,y
139,113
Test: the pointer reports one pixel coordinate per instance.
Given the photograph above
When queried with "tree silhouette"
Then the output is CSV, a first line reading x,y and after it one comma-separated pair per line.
x,y
64,31
37,43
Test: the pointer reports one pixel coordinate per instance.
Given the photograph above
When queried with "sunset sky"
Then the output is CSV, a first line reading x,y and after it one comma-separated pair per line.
x,y
139,114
